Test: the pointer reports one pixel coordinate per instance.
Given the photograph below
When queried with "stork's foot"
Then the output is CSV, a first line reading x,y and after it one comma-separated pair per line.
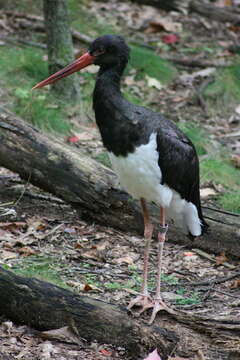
x,y
159,305
144,301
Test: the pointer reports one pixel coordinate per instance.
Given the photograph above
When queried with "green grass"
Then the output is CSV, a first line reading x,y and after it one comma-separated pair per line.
x,y
87,23
216,167
218,170
193,299
224,91
230,201
114,286
146,62
197,136
103,158
20,69
40,267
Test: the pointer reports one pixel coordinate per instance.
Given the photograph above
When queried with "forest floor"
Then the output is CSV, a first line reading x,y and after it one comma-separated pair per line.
x,y
41,236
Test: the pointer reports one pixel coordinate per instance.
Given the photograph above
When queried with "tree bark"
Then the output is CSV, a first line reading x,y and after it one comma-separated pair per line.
x,y
91,188
167,5
45,306
210,11
60,47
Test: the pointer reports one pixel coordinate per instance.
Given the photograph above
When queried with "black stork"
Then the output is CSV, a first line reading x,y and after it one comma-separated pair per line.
x,y
153,159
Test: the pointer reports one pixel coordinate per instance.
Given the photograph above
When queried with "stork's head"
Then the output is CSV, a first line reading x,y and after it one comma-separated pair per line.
x,y
106,51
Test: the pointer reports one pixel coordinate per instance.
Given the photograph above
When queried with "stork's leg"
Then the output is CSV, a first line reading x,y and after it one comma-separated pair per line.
x,y
158,302
144,299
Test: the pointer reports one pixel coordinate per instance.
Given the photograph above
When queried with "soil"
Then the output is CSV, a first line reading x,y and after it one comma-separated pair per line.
x,y
106,264
40,231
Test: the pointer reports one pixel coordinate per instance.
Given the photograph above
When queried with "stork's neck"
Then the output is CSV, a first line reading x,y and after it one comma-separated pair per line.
x,y
113,112
107,88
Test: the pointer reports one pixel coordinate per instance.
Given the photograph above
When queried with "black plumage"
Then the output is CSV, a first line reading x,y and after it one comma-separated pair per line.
x,y
124,126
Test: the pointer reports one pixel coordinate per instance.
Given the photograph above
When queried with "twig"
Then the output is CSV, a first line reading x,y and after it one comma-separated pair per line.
x,y
197,62
44,197
221,211
200,355
212,258
215,281
217,220
81,37
6,204
225,293
199,93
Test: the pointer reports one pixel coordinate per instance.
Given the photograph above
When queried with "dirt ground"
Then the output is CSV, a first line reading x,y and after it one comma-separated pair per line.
x,y
43,236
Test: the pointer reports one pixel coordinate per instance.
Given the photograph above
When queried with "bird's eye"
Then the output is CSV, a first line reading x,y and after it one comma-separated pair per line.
x,y
98,52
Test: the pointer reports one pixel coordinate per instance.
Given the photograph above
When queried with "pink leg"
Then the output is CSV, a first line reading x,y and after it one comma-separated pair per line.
x,y
144,299
158,303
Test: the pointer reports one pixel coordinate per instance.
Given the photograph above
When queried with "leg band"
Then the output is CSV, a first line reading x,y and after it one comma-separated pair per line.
x,y
163,229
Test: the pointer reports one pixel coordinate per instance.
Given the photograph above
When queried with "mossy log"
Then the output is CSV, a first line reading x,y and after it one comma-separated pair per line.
x,y
44,306
60,169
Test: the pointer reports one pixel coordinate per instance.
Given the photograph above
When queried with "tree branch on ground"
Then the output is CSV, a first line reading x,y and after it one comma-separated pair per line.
x,y
91,188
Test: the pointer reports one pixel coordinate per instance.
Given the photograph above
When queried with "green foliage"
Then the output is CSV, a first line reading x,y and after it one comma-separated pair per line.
x,y
225,90
188,300
216,167
197,50
91,279
220,171
230,200
41,111
86,23
20,69
103,158
169,279
197,136
43,268
114,286
145,61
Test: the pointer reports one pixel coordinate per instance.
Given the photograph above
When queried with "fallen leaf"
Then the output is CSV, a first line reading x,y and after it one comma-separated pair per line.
x,y
129,80
153,356
63,334
235,159
237,109
178,358
73,139
220,259
92,69
105,352
86,135
7,255
124,260
235,284
170,39
206,192
26,251
7,326
69,230
164,24
87,287
12,226
152,82
188,253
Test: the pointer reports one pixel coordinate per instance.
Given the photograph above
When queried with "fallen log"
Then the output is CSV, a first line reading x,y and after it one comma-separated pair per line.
x,y
44,306
47,307
91,188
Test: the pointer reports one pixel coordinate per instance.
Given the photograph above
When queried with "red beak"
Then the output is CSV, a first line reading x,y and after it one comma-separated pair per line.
x,y
82,62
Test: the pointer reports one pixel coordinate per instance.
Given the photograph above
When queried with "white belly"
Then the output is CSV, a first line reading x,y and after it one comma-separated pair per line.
x,y
140,175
